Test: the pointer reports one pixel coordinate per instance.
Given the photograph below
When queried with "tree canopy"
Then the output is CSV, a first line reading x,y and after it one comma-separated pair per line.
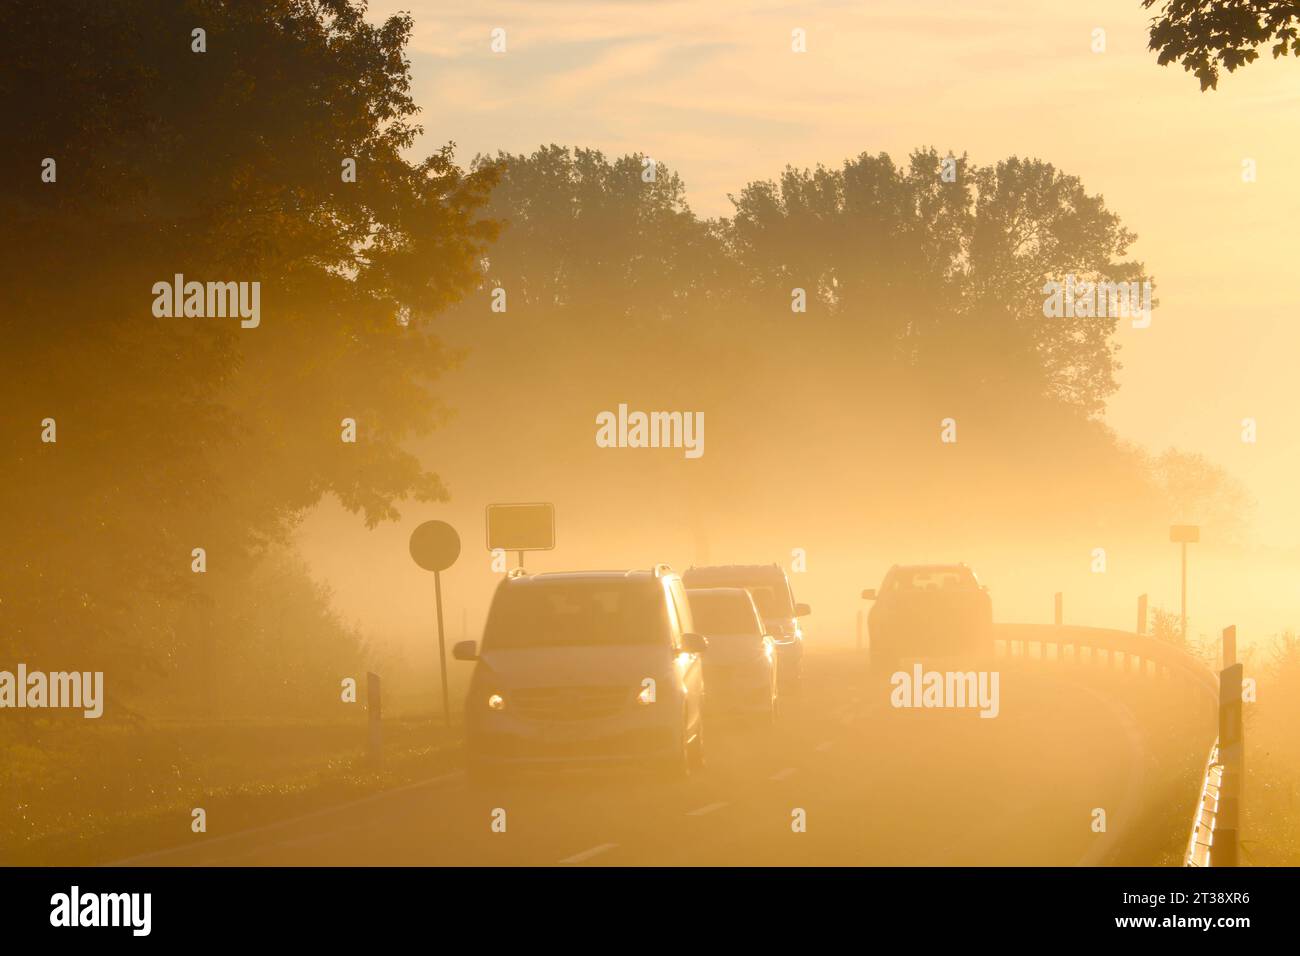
x,y
221,165
1206,35
924,299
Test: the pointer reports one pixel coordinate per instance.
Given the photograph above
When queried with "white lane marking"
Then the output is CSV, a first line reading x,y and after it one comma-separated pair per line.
x,y
588,854
822,748
782,774
452,777
701,811
252,852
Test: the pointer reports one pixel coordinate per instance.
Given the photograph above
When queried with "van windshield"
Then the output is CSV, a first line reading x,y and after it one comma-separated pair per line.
x,y
576,614
936,579
719,613
770,590
769,604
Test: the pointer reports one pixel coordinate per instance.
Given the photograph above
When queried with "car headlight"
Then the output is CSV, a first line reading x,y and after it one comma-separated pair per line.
x,y
496,702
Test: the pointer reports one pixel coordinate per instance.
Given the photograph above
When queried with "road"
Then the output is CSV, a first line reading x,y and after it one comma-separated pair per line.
x,y
877,786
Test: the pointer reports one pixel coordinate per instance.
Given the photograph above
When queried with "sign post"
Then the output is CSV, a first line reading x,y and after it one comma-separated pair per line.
x,y
435,546
1184,534
521,527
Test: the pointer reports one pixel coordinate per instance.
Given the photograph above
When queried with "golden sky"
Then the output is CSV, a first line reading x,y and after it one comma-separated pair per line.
x,y
713,90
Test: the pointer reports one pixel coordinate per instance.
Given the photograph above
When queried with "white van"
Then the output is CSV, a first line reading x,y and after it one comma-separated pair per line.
x,y
586,668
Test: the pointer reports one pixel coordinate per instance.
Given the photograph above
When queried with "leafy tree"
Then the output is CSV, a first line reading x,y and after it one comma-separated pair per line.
x,y
1204,35
175,433
925,299
590,238
945,279
1197,490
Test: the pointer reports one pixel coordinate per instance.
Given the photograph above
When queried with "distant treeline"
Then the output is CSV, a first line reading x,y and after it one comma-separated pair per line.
x,y
828,328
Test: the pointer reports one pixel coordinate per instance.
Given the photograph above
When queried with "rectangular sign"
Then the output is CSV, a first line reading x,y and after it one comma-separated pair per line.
x,y
1189,533
523,527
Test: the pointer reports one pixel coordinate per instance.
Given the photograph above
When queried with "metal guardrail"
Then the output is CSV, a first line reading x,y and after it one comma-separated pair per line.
x,y
1207,809
1215,836
1105,647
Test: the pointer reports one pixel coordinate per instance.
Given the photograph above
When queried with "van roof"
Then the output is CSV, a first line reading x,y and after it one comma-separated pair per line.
x,y
735,567
734,571
518,579
933,567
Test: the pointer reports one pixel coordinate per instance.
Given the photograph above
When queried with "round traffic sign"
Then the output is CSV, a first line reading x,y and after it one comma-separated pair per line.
x,y
435,545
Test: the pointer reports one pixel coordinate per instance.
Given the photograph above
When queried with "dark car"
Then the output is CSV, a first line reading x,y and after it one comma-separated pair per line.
x,y
928,610
771,590
740,670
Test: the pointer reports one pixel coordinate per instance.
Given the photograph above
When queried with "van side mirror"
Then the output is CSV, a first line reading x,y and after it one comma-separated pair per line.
x,y
694,643
465,651
869,594
802,610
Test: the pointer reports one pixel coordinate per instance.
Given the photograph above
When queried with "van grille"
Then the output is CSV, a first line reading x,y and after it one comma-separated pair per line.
x,y
569,703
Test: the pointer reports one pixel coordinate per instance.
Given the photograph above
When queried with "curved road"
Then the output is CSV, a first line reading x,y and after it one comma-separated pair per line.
x,y
877,786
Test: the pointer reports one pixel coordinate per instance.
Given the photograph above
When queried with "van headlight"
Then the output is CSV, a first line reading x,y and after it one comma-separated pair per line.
x,y
496,702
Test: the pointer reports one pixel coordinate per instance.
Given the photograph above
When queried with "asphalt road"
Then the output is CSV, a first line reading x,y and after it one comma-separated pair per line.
x,y
877,786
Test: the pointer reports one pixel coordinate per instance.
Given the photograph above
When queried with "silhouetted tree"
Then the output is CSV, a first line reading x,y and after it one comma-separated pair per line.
x,y
175,433
925,299
944,278
1204,35
1197,490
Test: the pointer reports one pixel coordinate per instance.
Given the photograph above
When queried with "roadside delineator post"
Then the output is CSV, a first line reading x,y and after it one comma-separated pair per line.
x,y
1230,645
1227,837
374,712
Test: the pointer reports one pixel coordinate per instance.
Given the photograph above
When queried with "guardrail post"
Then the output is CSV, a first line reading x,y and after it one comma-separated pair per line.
x,y
1059,612
1142,614
1227,837
375,742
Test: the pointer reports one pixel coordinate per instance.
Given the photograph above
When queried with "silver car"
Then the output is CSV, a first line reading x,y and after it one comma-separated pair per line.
x,y
741,669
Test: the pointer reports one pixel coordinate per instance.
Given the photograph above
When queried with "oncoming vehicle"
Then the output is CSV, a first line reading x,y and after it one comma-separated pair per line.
x,y
586,667
928,610
771,590
740,670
